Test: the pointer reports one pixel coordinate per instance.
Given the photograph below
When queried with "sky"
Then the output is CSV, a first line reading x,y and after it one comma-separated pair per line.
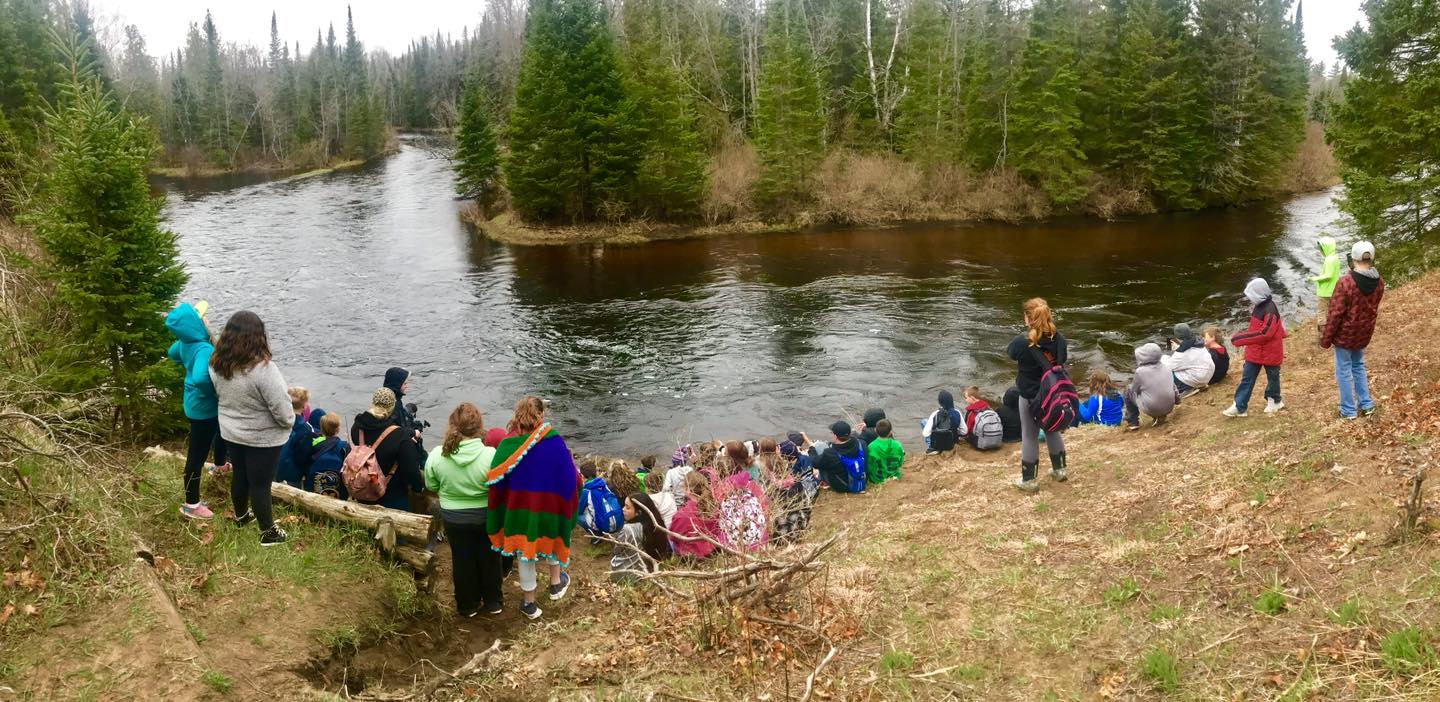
x,y
390,25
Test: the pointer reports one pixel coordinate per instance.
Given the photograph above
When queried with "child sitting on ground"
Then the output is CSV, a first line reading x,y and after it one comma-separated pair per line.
x,y
1105,406
640,543
295,454
654,482
1190,363
599,508
696,520
883,456
1215,344
942,428
674,482
981,425
327,456
647,466
1152,392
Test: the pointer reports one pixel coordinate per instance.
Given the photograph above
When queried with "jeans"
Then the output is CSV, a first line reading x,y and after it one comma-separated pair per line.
x,y
1180,387
254,470
204,436
1354,384
1030,436
1247,384
476,568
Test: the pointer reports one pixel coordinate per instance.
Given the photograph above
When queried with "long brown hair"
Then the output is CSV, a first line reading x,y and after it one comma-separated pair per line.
x,y
242,346
1101,384
653,540
769,458
1039,320
529,412
465,422
737,458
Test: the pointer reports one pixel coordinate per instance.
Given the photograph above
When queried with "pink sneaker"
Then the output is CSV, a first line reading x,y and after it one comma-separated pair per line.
x,y
197,511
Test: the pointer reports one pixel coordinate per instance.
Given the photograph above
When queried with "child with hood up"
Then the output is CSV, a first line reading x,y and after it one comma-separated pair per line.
x,y
1264,344
1152,392
942,428
1190,363
1325,282
192,349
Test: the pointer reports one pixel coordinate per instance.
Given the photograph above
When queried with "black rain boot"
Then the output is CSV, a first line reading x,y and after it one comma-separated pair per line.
x,y
1027,482
1057,467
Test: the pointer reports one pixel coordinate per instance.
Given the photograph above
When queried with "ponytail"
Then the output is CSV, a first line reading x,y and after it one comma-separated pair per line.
x,y
1039,319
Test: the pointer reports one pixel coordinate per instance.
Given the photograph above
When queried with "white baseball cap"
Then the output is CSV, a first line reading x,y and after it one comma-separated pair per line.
x,y
1362,251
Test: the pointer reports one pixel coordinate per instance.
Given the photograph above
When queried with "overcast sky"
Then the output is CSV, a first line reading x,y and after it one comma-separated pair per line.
x,y
391,24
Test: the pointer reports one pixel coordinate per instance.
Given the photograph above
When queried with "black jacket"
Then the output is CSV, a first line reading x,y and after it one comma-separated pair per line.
x,y
1027,377
872,417
396,453
1009,412
832,470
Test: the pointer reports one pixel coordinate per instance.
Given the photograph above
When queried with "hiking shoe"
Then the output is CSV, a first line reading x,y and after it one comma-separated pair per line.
x,y
1349,417
530,610
1059,475
197,511
1027,486
1272,406
273,537
1232,411
1367,412
559,589
246,518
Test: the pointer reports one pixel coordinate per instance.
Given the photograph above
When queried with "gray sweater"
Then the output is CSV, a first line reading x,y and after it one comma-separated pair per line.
x,y
1153,386
254,406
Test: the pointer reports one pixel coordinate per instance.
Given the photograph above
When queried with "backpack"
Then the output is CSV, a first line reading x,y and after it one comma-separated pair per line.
x,y
855,469
943,432
604,508
361,470
988,433
326,463
1057,405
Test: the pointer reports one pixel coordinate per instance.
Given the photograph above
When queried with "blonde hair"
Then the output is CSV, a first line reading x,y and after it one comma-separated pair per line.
x,y
1100,383
465,422
529,412
1039,320
330,424
974,391
298,397
1215,333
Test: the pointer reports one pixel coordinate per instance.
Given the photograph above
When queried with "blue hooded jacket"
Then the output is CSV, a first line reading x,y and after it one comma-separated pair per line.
x,y
192,351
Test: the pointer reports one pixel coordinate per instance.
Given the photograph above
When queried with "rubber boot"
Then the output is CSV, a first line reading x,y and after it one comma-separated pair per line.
x,y
1057,467
1027,482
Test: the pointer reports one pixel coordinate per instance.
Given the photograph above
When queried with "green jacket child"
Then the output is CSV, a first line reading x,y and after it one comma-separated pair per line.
x,y
1325,282
883,456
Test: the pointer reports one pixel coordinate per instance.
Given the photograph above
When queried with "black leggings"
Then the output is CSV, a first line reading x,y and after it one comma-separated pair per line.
x,y
204,434
476,568
250,483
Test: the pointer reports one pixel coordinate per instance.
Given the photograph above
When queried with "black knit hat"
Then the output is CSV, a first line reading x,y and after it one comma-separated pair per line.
x,y
840,429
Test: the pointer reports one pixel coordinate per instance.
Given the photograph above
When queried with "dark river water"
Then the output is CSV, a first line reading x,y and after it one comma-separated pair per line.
x,y
638,347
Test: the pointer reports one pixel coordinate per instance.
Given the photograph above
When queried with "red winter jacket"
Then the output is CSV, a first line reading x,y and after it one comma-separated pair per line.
x,y
1353,310
972,411
1264,341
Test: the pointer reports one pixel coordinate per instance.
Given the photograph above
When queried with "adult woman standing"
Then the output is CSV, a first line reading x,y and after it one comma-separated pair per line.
x,y
255,418
395,451
534,494
456,470
1034,352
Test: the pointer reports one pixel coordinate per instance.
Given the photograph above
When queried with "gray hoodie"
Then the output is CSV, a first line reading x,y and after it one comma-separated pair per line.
x,y
1257,291
1153,387
254,406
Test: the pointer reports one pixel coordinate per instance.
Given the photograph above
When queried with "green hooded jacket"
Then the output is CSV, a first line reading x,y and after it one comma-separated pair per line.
x,y
883,458
1330,271
460,477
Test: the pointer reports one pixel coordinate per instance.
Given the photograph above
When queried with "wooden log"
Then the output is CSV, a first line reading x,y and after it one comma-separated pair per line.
x,y
413,527
416,557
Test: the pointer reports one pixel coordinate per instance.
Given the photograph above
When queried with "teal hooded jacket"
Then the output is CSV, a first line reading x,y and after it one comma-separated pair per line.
x,y
192,351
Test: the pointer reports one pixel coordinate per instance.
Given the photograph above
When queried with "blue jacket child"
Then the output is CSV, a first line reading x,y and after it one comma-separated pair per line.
x,y
1105,406
192,350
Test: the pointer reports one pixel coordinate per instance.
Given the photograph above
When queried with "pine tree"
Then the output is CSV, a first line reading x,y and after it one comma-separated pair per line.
x,y
671,179
29,72
574,144
927,126
790,114
986,72
1045,122
362,129
477,155
115,269
1387,131
213,110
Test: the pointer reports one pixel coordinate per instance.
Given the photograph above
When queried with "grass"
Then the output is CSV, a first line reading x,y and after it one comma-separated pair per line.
x,y
339,638
1407,652
217,681
1161,668
1122,592
1163,613
1348,613
894,661
1271,602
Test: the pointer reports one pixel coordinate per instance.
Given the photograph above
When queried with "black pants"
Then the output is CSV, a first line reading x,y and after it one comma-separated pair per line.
x,y
475,567
250,483
204,434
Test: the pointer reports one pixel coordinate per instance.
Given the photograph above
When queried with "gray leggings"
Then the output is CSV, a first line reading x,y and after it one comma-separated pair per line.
x,y
1029,436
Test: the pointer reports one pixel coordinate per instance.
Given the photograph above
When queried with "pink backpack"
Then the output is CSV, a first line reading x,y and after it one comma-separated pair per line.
x,y
361,470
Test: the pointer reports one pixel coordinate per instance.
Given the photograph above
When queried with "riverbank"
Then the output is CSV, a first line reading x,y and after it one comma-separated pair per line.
x,y
275,169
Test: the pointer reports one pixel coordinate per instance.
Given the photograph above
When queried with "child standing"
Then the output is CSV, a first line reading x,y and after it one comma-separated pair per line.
x,y
1219,355
295,455
192,350
1105,406
1264,344
1325,282
1355,308
327,457
883,456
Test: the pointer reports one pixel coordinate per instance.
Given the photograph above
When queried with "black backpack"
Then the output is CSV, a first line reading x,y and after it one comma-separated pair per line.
x,y
942,432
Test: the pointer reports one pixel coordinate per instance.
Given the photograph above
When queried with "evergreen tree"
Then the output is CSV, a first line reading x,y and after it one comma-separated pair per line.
x,y
477,155
1045,121
927,126
986,73
115,269
790,114
574,144
29,72
213,110
1387,131
671,179
363,132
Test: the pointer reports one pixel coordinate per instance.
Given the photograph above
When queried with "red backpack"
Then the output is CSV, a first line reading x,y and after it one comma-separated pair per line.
x,y
1054,409
361,471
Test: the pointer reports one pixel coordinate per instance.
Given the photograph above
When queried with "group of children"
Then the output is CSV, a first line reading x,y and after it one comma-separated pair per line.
x,y
1160,382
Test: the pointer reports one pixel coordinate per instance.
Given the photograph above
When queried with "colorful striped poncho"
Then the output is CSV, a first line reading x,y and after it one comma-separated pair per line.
x,y
534,494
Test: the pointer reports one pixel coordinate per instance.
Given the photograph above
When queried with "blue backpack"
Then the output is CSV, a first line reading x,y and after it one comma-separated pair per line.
x,y
855,468
326,458
604,509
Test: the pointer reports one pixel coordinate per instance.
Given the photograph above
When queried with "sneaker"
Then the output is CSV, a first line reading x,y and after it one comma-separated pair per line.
x,y
469,613
494,609
1190,393
1349,417
1157,421
1231,411
1367,412
246,518
197,511
273,537
932,452
1027,486
219,471
558,590
530,610
1271,406
1132,427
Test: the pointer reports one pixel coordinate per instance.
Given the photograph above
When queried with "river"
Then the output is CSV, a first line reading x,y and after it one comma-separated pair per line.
x,y
638,347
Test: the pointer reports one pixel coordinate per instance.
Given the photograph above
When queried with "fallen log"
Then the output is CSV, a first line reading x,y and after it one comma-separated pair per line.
x,y
415,527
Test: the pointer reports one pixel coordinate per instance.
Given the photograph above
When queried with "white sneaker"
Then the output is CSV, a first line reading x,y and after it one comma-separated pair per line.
x,y
1271,406
1231,411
